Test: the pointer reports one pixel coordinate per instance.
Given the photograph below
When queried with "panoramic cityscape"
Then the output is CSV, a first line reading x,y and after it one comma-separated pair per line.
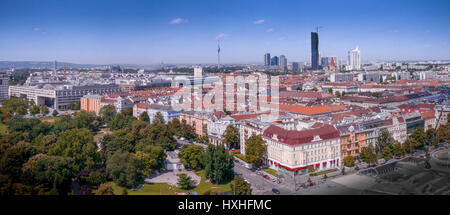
x,y
215,98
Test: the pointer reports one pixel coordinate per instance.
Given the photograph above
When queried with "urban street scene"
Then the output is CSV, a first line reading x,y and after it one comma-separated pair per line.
x,y
224,98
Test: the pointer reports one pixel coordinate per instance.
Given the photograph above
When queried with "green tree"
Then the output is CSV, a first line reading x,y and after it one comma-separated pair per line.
x,y
430,134
399,151
136,127
34,110
420,138
386,153
105,189
338,94
368,155
79,145
383,140
44,110
156,156
240,187
175,126
124,192
120,140
349,161
311,169
144,117
52,172
231,137
55,113
124,169
96,178
107,113
192,156
219,164
22,110
255,149
87,120
158,119
121,121
188,132
184,181
409,145
13,157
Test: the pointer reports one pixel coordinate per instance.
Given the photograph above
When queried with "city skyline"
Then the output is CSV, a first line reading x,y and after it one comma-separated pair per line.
x,y
109,32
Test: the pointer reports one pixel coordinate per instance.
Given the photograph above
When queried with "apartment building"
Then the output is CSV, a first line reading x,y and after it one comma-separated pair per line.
x,y
293,151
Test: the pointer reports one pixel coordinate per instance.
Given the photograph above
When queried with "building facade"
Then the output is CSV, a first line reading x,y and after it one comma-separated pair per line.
x,y
293,151
91,103
354,59
198,120
3,87
315,50
152,109
267,59
60,96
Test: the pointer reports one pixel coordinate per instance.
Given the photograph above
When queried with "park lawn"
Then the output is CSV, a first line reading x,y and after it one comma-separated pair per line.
x,y
206,186
3,128
50,119
322,172
147,189
166,189
271,171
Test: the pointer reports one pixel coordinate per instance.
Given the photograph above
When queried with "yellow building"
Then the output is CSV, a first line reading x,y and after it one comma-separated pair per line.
x,y
197,119
91,103
352,141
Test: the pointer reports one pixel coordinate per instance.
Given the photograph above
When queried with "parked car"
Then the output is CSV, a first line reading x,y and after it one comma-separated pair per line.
x,y
276,191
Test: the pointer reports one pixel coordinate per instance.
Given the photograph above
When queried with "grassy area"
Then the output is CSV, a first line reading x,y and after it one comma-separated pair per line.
x,y
147,189
49,119
271,171
239,155
3,128
166,189
323,172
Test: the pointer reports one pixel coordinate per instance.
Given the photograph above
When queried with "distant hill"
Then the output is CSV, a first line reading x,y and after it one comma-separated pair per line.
x,y
40,64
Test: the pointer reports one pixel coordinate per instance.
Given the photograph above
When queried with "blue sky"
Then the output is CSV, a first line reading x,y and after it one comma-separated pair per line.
x,y
147,32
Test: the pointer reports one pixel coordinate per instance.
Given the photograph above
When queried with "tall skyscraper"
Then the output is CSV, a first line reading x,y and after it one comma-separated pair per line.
x,y
274,61
267,59
295,66
283,63
315,50
354,59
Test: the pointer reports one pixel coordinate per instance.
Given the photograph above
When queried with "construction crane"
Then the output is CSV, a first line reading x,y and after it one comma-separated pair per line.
x,y
317,28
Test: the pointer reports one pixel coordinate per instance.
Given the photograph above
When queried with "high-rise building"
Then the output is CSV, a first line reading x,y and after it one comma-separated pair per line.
x,y
315,50
354,59
274,61
267,59
283,63
3,86
295,66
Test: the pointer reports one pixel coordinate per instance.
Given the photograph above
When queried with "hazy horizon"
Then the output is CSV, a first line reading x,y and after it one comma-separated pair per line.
x,y
175,32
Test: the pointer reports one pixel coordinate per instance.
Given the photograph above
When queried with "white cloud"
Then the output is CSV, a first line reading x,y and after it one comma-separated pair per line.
x,y
270,30
36,29
395,31
178,21
282,38
257,22
221,36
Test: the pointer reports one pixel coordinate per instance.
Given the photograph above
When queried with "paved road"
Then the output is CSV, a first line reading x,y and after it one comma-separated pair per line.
x,y
260,185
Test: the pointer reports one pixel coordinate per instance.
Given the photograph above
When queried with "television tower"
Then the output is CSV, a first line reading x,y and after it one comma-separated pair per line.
x,y
218,54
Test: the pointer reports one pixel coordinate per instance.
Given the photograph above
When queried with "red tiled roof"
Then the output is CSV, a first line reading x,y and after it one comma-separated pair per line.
x,y
294,137
311,110
428,115
245,116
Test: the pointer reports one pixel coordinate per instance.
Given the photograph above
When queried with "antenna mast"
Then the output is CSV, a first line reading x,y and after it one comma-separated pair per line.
x,y
218,54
